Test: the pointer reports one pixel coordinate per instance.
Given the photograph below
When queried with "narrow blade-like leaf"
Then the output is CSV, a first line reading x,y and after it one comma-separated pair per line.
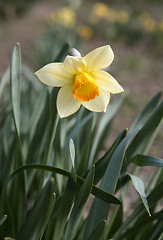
x,y
15,81
144,160
37,219
148,109
100,209
79,206
3,219
139,186
103,162
72,151
143,137
61,211
72,156
98,231
63,52
99,193
104,123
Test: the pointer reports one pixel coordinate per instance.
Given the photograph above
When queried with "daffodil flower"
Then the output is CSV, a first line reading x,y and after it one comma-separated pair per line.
x,y
82,81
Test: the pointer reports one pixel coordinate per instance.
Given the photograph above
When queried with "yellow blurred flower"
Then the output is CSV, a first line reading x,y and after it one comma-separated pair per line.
x,y
100,10
122,17
147,22
85,32
160,26
81,81
66,16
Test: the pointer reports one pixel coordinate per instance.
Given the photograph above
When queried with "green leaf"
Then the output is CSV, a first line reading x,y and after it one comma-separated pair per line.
x,y
76,129
139,186
38,217
103,162
43,133
72,155
38,109
156,194
3,82
15,81
103,195
84,144
156,232
6,138
140,224
17,186
149,108
155,180
143,137
51,139
79,206
98,231
144,160
115,221
101,130
152,199
62,54
61,211
29,76
3,219
8,238
100,209
72,152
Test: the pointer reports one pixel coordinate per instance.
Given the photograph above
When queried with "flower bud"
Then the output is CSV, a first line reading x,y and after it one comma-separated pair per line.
x,y
74,52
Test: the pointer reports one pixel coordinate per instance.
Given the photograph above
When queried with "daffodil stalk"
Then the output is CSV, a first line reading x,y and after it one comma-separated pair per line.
x,y
82,81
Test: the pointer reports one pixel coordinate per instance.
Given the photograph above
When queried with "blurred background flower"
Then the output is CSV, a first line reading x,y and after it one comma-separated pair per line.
x,y
85,32
148,23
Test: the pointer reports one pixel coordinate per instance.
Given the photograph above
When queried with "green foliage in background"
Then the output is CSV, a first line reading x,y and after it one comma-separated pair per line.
x,y
50,168
13,8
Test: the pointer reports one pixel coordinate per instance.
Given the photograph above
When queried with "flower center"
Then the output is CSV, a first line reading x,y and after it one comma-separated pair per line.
x,y
85,87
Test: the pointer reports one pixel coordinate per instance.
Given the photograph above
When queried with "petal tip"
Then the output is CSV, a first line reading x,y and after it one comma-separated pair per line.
x,y
110,52
36,74
121,89
61,116
105,109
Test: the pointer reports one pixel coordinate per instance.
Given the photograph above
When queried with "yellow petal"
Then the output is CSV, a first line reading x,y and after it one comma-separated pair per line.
x,y
66,103
74,65
55,75
105,81
99,58
99,104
